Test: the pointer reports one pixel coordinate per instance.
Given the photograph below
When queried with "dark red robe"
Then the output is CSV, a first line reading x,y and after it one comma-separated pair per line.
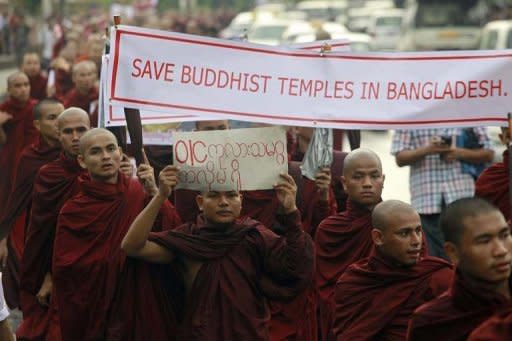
x,y
89,266
63,84
498,327
14,221
455,314
74,99
20,132
375,298
492,184
340,240
55,183
38,86
243,265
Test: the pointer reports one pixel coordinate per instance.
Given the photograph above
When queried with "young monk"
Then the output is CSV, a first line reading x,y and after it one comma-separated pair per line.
x,y
228,267
85,92
31,66
55,182
479,243
19,130
88,265
492,184
14,221
394,280
345,238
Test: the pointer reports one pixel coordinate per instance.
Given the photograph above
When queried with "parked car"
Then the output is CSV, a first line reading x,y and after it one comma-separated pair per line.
x,y
324,10
277,32
242,22
359,42
497,35
385,28
439,25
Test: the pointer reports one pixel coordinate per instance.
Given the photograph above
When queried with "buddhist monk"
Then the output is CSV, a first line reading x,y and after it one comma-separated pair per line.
x,y
14,221
492,184
394,280
345,238
85,92
55,182
479,243
19,130
88,264
228,267
497,327
31,66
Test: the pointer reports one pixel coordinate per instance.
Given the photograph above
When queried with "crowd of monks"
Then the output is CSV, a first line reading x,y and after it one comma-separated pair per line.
x,y
93,248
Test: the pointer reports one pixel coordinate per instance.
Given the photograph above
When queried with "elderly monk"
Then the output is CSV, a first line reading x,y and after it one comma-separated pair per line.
x,y
492,184
85,92
345,238
393,281
88,264
55,182
31,66
227,266
19,130
14,221
479,243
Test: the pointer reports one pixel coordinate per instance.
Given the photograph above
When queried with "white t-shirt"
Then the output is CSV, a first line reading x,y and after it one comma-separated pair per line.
x,y
4,312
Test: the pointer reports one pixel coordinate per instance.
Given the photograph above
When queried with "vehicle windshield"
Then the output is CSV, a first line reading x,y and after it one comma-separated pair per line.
x,y
389,21
444,15
274,32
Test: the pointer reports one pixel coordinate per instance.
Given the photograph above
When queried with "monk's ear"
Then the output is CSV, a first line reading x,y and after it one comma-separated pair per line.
x,y
377,237
80,159
37,124
452,251
199,202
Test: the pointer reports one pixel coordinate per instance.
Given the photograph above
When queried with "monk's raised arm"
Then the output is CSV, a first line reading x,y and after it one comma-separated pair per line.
x,y
135,243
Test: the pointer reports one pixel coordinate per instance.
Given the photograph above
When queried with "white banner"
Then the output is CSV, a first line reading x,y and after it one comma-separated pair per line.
x,y
238,159
114,115
191,75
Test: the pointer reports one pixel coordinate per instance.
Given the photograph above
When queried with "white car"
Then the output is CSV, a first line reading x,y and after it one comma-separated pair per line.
x,y
278,32
385,29
359,42
323,10
497,35
242,22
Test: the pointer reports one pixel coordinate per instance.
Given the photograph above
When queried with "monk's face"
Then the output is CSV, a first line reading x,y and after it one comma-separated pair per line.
x,y
71,130
102,158
401,238
364,181
84,78
220,207
212,125
31,64
19,88
484,251
305,133
47,125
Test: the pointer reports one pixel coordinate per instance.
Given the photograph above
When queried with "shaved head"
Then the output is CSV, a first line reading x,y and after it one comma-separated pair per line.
x,y
83,65
356,156
387,210
92,135
73,112
14,77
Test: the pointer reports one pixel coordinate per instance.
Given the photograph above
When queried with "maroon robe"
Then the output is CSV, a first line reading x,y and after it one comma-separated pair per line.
x,y
38,86
14,221
340,240
243,265
74,99
375,298
89,265
498,327
63,84
492,185
20,133
55,183
455,314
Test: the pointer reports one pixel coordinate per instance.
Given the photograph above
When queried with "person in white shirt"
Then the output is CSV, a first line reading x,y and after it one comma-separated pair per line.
x,y
5,329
